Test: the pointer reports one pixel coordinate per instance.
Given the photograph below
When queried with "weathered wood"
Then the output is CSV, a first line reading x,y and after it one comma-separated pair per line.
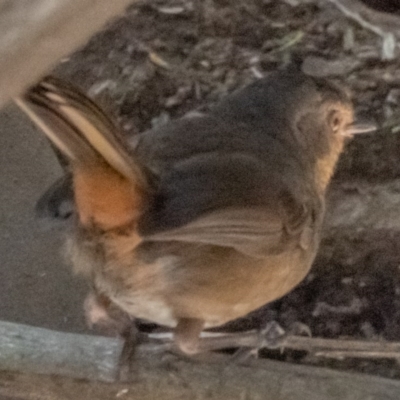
x,y
157,375
28,349
36,34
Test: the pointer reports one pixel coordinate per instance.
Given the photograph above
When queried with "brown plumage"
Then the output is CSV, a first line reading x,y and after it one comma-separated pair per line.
x,y
207,217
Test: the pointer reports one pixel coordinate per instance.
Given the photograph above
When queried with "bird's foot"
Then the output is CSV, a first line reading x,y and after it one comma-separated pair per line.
x,y
131,338
105,317
111,321
273,336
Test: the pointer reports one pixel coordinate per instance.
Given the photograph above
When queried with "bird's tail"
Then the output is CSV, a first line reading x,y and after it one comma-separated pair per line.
x,y
109,185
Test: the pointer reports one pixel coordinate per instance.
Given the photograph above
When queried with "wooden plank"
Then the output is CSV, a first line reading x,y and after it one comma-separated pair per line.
x,y
42,351
36,34
161,375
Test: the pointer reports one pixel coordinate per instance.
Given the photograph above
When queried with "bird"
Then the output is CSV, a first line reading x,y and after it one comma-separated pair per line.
x,y
206,218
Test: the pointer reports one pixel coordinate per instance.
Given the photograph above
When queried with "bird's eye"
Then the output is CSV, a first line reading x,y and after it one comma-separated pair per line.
x,y
335,120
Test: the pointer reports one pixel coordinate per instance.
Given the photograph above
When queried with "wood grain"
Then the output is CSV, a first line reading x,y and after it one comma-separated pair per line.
x,y
36,34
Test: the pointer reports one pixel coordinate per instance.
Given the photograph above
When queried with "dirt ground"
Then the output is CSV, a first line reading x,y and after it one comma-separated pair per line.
x,y
164,58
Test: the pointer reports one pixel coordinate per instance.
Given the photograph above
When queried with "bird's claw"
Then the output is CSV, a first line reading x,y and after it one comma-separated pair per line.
x,y
273,336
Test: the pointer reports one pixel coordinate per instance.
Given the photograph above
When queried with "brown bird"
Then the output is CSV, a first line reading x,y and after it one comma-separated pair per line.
x,y
208,217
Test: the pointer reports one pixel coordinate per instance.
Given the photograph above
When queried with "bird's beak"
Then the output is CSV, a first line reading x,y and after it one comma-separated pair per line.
x,y
359,127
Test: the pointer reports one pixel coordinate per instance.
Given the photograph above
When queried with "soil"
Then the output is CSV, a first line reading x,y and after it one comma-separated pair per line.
x,y
164,58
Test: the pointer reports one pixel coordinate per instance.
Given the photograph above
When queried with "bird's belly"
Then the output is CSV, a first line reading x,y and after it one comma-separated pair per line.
x,y
144,306
164,291
157,310
220,295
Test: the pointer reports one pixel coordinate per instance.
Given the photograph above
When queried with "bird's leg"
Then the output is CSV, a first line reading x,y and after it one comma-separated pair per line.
x,y
111,321
132,338
187,334
105,316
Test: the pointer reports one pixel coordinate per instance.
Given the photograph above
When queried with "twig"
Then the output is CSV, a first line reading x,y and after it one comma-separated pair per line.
x,y
332,348
343,348
382,25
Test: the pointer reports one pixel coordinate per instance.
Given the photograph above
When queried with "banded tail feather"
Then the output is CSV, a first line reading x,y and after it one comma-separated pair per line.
x,y
108,183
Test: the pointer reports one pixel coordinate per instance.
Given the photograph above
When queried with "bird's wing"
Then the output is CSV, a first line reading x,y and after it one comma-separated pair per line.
x,y
229,201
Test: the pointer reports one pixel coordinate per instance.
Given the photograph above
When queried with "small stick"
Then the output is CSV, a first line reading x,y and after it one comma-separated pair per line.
x,y
332,348
352,10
